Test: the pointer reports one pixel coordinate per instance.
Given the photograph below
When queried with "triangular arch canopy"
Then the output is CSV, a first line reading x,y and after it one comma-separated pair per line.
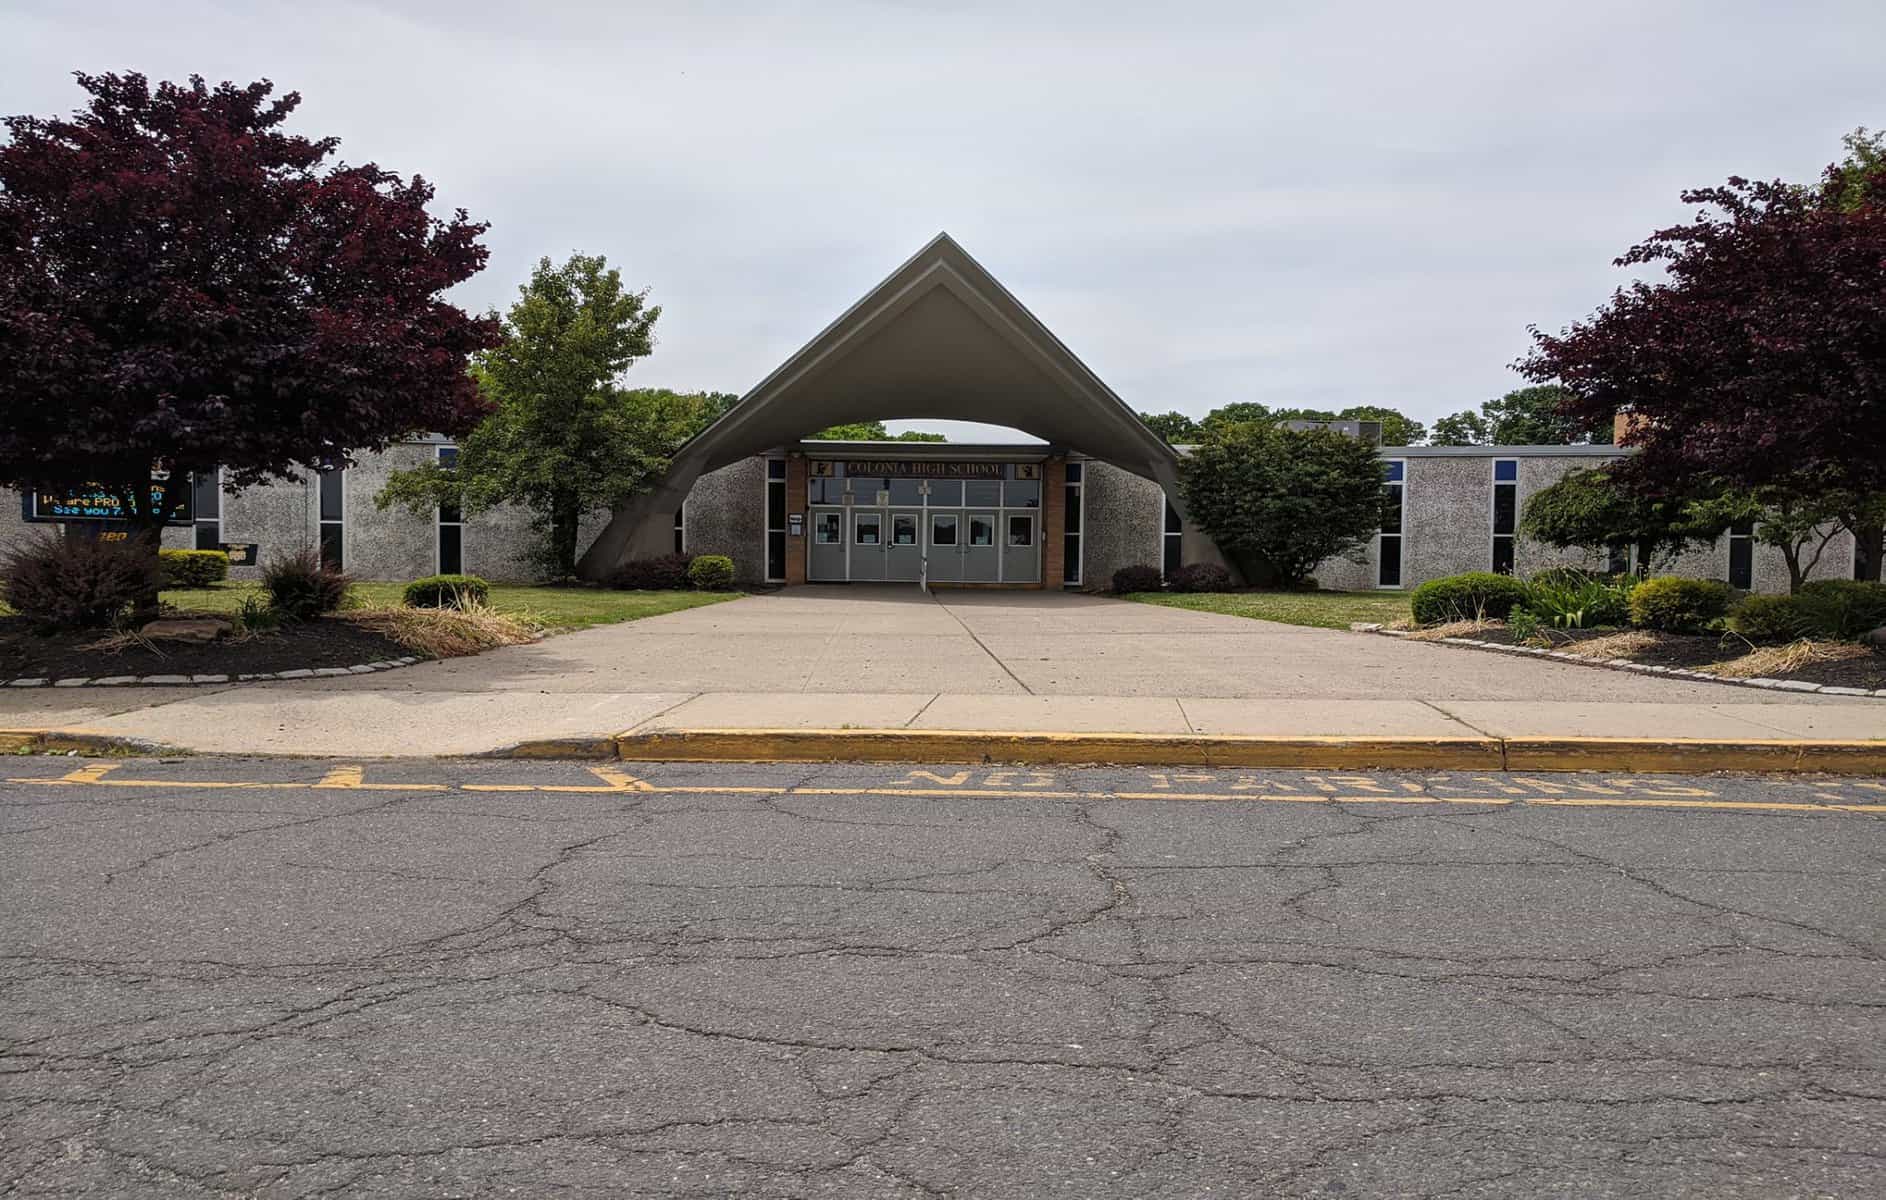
x,y
939,338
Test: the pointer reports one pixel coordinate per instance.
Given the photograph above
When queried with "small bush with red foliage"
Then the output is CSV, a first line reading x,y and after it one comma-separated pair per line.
x,y
1137,578
1199,577
59,584
301,587
669,572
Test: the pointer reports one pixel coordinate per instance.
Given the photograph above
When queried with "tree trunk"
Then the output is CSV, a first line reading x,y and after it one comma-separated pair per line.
x,y
564,515
1869,549
145,540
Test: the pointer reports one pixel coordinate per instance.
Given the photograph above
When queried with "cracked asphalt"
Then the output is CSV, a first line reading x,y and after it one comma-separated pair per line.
x,y
289,979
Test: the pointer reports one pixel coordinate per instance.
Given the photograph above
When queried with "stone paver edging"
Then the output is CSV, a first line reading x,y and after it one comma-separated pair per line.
x,y
1621,664
388,664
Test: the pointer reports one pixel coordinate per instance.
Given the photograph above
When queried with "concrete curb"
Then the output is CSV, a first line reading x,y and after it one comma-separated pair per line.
x,y
391,664
1336,753
1689,756
56,741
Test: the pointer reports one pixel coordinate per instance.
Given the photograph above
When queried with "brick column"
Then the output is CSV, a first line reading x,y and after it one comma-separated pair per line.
x,y
1053,523
796,550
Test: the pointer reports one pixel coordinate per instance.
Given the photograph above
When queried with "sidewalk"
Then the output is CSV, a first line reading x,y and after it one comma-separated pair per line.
x,y
286,719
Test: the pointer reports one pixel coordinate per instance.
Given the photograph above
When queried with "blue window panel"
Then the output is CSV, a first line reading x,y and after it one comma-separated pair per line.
x,y
1505,470
1393,472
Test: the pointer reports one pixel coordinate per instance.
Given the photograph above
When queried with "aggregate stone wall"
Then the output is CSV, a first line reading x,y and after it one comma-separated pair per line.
x,y
725,513
1123,524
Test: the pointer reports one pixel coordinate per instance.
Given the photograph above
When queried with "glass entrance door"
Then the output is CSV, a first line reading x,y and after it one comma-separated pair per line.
x,y
903,547
982,556
867,543
946,551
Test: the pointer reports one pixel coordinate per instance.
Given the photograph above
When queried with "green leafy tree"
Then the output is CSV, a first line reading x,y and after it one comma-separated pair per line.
x,y
1175,428
1460,429
564,438
1597,509
873,431
1532,416
1235,414
1281,501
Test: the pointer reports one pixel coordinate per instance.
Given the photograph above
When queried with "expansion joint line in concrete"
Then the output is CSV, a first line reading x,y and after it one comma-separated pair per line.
x,y
938,600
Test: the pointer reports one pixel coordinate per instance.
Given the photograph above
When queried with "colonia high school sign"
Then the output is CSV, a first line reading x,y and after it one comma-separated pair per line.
x,y
926,469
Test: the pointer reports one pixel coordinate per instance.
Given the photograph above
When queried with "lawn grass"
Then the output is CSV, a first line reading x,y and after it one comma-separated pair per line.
x,y
558,609
1329,610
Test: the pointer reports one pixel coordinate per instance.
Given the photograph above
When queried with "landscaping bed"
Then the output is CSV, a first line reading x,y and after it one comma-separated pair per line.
x,y
1830,664
327,642
1324,610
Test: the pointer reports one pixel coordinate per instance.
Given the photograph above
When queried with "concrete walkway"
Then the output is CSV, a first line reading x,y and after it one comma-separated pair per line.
x,y
891,658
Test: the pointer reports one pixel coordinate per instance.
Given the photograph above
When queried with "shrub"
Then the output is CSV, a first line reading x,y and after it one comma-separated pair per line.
x,y
1673,604
1523,624
1769,618
1579,602
1136,578
1843,608
301,587
711,573
666,573
193,568
1199,577
1468,597
256,615
1566,577
446,591
59,584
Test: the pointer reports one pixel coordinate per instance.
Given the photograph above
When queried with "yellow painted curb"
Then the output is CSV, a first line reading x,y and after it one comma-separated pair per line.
x,y
1131,749
1695,756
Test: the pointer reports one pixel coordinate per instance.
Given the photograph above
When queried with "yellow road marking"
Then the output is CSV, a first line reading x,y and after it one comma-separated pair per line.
x,y
614,781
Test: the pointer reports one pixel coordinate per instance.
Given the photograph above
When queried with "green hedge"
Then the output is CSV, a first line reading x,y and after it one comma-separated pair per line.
x,y
1843,608
1467,597
711,573
447,591
193,568
1673,604
1769,618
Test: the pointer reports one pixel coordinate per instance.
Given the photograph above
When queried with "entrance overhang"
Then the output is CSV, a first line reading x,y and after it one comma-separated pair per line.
x,y
939,338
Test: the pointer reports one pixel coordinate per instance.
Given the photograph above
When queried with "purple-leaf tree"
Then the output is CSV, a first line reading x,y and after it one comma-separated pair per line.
x,y
184,285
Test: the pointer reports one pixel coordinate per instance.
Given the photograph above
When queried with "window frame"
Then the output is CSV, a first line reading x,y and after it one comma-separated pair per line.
x,y
440,524
1495,483
1401,527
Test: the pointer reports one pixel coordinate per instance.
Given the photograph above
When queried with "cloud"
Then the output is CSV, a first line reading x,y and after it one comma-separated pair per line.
x,y
1302,204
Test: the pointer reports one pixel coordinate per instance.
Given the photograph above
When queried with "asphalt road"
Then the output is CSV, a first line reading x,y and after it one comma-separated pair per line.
x,y
281,979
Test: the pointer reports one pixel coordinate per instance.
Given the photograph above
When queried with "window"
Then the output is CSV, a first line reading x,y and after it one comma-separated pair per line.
x,y
1071,527
206,501
681,529
825,530
451,523
1022,493
1394,524
981,531
979,492
943,529
1172,542
776,519
868,530
904,529
1021,530
906,491
1505,512
1617,559
946,493
1742,555
333,482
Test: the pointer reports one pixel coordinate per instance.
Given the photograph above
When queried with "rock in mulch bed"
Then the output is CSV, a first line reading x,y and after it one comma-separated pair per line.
x,y
1730,659
329,644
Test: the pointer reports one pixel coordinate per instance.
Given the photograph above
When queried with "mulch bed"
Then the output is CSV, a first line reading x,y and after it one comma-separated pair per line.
x,y
327,642
1695,652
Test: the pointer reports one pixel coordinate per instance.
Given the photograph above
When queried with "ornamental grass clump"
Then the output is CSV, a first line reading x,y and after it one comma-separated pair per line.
x,y
448,632
301,587
57,584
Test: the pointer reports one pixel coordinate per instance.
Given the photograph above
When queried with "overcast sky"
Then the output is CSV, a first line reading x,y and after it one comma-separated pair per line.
x,y
1313,204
